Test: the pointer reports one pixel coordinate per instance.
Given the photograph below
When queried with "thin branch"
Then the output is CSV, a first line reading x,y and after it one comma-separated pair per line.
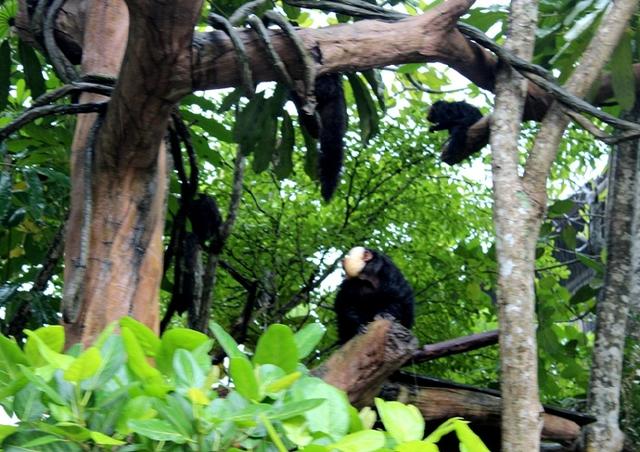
x,y
455,346
49,110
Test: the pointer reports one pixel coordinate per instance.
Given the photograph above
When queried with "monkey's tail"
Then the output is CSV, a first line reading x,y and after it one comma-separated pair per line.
x,y
332,110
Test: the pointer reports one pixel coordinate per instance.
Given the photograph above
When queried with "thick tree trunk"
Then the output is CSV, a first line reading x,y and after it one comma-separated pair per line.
x,y
516,238
613,307
124,267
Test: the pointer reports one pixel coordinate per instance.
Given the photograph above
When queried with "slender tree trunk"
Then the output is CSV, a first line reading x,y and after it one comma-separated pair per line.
x,y
516,235
613,307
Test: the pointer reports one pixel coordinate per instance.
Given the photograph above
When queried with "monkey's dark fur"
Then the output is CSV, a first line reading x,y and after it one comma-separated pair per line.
x,y
379,289
205,219
456,117
328,126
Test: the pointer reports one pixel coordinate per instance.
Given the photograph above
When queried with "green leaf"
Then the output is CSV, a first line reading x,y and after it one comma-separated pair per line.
x,y
308,338
409,68
32,69
244,378
84,366
376,83
10,357
362,441
5,74
568,236
27,404
332,417
137,408
230,100
561,207
277,346
104,440
284,163
311,157
228,344
157,430
147,339
622,75
367,113
403,422
583,294
292,409
6,430
137,361
265,148
36,193
42,385
282,383
5,193
187,369
443,429
43,347
468,438
175,339
593,264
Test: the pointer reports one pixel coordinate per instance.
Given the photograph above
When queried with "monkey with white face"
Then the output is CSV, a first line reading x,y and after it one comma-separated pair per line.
x,y
373,286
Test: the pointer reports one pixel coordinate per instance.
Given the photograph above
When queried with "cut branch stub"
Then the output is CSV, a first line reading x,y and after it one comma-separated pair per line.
x,y
362,365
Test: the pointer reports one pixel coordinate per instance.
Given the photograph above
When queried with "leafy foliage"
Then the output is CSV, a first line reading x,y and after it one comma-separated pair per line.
x,y
109,395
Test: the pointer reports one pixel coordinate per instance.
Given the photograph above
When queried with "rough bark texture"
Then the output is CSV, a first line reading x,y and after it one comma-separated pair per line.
x,y
455,346
128,181
362,365
515,248
613,306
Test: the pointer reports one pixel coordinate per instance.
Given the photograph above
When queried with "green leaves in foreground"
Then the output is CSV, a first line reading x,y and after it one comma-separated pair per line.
x,y
114,394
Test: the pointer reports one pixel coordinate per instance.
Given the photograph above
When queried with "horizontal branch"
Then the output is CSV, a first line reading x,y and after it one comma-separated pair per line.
x,y
455,346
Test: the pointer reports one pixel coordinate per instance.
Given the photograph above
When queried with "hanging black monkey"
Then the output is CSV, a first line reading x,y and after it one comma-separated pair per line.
x,y
328,124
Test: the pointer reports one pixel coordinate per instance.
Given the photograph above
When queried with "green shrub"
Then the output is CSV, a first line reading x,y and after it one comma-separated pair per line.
x,y
135,391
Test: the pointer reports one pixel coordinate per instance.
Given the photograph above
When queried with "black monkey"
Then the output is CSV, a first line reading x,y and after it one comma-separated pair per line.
x,y
456,117
205,219
373,286
329,126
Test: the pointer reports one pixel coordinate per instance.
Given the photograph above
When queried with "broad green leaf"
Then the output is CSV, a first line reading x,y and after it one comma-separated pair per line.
x,y
583,294
362,441
308,337
10,357
42,385
6,430
138,408
622,75
179,412
32,69
284,163
175,339
157,430
36,194
104,440
244,378
445,428
84,366
44,345
230,100
277,346
332,417
561,207
5,74
265,147
568,236
282,383
296,431
187,369
197,396
311,157
292,409
5,193
228,344
368,417
27,403
468,438
113,357
593,264
408,68
367,113
147,339
376,83
403,422
137,361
